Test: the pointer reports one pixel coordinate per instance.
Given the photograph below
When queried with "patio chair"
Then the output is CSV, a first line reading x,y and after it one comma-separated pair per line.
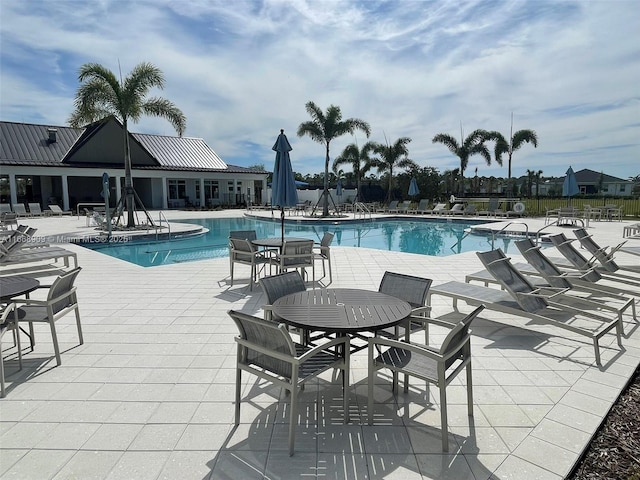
x,y
470,210
246,253
61,300
404,206
266,350
631,250
600,253
7,324
276,286
578,261
35,210
20,210
457,209
521,298
296,255
412,290
5,208
322,252
393,207
438,366
56,210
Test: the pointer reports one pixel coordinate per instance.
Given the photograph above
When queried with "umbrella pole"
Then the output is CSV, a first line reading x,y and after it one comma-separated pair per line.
x,y
282,223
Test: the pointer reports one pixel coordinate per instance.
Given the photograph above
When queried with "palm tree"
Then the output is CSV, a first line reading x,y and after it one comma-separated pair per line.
x,y
100,95
358,159
324,127
391,156
472,145
516,140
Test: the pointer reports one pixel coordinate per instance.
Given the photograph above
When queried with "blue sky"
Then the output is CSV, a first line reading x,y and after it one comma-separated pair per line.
x,y
242,70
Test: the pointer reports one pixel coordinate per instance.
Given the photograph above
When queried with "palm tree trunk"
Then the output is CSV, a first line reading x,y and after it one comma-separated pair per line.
x,y
128,180
325,193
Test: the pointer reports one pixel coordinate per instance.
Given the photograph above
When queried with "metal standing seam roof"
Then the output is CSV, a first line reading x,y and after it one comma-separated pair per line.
x,y
27,144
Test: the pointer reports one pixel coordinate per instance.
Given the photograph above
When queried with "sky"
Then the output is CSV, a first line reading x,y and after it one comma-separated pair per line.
x,y
242,70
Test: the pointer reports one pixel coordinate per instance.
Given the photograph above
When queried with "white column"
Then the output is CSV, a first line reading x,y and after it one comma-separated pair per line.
x,y
202,192
13,188
165,194
118,188
65,192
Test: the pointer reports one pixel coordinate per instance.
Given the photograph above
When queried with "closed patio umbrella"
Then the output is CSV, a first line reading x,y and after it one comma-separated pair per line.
x,y
570,185
339,188
283,193
413,187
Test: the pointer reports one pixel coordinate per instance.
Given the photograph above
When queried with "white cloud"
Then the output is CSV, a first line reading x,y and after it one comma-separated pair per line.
x,y
242,70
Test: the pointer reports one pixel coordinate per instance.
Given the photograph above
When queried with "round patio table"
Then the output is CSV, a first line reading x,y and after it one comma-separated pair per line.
x,y
341,310
15,285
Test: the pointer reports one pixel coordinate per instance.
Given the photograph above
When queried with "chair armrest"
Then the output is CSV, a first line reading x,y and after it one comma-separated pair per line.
x,y
344,341
410,347
431,321
420,310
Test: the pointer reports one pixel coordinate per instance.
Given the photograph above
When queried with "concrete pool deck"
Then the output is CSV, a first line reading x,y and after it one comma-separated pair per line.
x,y
149,395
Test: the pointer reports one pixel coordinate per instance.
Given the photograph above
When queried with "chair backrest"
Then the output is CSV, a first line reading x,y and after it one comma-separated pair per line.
x,y
393,204
296,253
241,249
55,208
35,208
276,286
266,336
564,246
469,209
20,209
532,253
412,290
493,204
456,340
63,288
424,203
5,208
586,240
512,280
325,243
245,234
440,206
6,314
458,207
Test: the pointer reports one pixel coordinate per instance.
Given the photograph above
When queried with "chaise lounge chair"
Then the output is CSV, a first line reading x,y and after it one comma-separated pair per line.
x,y
423,206
548,277
56,210
600,253
578,261
523,299
35,210
439,208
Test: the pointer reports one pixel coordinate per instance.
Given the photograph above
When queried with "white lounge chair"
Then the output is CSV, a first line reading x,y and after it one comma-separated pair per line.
x,y
56,210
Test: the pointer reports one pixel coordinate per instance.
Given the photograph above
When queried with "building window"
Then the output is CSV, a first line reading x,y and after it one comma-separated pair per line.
x,y
623,188
177,189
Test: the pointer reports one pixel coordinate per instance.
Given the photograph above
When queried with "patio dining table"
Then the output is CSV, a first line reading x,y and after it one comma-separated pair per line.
x,y
341,311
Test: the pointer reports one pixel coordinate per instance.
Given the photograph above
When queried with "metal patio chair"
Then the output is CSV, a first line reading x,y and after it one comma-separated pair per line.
x,y
433,365
265,349
322,252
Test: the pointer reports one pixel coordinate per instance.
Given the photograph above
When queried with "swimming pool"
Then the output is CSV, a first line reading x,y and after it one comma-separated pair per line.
x,y
421,237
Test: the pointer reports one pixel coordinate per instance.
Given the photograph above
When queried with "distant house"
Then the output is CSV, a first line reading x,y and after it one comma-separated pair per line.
x,y
63,165
590,182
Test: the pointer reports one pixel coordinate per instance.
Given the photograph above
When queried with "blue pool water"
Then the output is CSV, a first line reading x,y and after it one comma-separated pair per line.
x,y
421,237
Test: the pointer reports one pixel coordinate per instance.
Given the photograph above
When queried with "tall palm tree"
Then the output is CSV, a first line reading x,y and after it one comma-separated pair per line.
x,y
472,145
324,127
100,95
359,160
516,140
390,157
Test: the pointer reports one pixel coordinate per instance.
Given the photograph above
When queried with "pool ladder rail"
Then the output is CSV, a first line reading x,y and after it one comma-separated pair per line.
x,y
360,210
162,219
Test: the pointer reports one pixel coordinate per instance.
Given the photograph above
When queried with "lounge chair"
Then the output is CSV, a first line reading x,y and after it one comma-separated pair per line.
x,y
423,206
8,219
470,210
56,210
438,366
547,276
631,250
20,210
392,207
17,249
457,209
492,208
439,208
578,261
600,253
266,349
404,206
5,208
35,210
523,299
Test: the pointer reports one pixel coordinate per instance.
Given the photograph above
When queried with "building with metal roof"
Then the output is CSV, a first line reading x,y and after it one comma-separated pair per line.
x,y
63,165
